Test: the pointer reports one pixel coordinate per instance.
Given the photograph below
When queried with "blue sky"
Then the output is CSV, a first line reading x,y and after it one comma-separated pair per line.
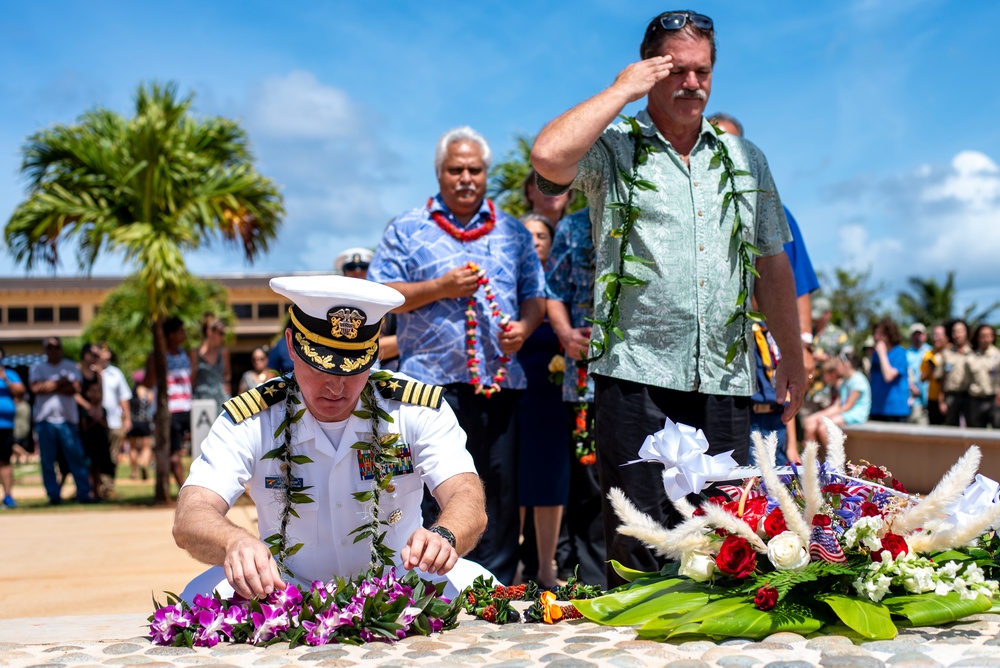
x,y
877,116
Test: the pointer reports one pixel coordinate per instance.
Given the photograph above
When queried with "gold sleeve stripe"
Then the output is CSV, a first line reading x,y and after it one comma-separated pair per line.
x,y
425,395
436,396
247,409
235,410
407,390
255,395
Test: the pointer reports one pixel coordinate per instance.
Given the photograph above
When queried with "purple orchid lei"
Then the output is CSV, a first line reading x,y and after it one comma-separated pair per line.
x,y
375,606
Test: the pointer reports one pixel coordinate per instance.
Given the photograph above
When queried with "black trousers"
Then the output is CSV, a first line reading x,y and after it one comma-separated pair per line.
x,y
627,413
491,429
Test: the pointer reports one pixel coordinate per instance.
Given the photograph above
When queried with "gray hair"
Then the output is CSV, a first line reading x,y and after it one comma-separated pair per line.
x,y
463,133
537,217
718,116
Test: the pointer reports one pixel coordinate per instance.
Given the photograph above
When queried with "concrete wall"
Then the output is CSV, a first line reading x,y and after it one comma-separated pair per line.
x,y
919,456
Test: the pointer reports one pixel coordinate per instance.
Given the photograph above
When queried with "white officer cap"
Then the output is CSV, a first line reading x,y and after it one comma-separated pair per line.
x,y
335,320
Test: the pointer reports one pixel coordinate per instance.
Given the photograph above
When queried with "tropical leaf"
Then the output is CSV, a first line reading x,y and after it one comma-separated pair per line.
x,y
630,574
932,610
733,618
644,601
871,620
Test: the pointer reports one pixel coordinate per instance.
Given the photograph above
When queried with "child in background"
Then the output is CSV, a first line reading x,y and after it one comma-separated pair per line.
x,y
855,398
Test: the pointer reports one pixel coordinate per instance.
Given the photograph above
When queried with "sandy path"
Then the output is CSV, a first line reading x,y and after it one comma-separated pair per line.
x,y
90,563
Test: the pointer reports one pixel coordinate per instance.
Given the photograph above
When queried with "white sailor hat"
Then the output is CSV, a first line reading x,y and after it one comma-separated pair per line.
x,y
353,258
335,320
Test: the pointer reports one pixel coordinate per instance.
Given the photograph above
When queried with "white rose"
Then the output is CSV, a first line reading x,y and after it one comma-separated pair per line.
x,y
697,566
787,552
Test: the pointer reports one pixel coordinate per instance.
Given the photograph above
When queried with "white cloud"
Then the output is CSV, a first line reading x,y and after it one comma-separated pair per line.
x,y
298,106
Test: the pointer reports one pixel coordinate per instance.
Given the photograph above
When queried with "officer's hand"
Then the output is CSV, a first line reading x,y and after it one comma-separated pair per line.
x,y
638,78
251,569
459,282
429,552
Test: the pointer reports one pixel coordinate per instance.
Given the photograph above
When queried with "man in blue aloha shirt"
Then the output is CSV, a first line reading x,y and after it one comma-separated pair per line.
x,y
676,312
456,247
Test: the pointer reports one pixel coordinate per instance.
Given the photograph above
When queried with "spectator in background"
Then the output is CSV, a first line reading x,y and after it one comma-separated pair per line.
x,y
570,292
93,424
918,387
259,373
55,382
551,207
765,406
425,254
954,373
984,364
930,362
11,390
210,371
179,393
278,359
854,398
116,397
543,476
890,386
140,436
354,263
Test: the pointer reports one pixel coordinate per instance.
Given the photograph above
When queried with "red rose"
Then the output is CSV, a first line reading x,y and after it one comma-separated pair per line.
x,y
872,472
835,488
821,520
717,500
774,523
766,598
869,509
892,542
736,557
898,486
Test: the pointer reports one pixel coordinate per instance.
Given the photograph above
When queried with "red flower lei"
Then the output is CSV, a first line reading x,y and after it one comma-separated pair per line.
x,y
585,450
470,335
464,235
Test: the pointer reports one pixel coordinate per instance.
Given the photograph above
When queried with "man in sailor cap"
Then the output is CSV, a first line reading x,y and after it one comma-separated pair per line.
x,y
333,330
353,262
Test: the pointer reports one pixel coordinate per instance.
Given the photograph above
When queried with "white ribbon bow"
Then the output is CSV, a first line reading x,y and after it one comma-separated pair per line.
x,y
981,493
682,451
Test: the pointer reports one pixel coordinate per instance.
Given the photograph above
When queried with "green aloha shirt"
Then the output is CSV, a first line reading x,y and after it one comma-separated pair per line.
x,y
675,333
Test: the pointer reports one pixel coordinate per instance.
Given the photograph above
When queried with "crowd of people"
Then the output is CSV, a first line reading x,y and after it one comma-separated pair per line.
x,y
705,312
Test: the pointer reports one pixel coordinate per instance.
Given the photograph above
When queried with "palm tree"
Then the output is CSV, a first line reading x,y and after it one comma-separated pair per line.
x,y
507,180
931,303
149,187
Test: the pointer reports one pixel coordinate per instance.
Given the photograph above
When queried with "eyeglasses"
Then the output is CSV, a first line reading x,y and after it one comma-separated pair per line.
x,y
677,20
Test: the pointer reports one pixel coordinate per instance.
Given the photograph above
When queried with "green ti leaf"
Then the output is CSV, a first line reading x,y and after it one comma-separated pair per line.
x,y
641,260
872,620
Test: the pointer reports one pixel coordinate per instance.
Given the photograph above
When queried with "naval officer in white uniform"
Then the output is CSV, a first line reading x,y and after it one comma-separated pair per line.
x,y
333,331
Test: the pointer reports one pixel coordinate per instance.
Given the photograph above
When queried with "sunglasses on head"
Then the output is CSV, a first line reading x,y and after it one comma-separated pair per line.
x,y
677,20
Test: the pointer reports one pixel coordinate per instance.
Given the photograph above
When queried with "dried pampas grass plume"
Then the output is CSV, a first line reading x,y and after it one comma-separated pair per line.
x,y
793,519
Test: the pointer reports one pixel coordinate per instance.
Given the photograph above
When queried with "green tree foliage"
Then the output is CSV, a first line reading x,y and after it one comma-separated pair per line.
x,y
123,324
932,303
147,188
506,181
855,302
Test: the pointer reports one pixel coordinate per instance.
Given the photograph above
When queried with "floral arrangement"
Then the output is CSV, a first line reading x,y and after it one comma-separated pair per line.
x,y
487,389
489,601
375,606
797,548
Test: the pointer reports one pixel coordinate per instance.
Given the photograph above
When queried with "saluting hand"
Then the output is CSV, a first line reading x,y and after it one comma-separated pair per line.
x,y
429,552
636,80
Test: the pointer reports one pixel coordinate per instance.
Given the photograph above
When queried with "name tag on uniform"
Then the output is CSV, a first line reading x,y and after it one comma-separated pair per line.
x,y
366,463
277,482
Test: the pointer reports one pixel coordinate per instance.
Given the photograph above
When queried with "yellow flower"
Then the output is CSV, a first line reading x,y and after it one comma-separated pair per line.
x,y
551,612
557,364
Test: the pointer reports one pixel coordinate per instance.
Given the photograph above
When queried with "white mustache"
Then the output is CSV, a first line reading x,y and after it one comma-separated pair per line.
x,y
696,94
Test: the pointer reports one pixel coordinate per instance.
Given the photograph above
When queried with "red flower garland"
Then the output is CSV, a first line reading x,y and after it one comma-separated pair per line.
x,y
464,235
471,324
585,451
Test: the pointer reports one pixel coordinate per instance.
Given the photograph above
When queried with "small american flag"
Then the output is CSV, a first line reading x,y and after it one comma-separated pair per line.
x,y
823,545
734,492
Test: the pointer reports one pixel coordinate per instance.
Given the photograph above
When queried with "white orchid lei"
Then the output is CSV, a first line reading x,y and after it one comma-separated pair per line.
x,y
792,548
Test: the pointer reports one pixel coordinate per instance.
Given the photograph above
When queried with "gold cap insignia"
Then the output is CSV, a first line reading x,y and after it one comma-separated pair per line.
x,y
345,322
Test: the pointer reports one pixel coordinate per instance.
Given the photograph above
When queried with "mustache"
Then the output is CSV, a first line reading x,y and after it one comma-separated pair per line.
x,y
685,94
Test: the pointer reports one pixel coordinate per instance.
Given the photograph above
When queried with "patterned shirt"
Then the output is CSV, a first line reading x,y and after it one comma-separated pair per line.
x,y
432,338
675,326
571,281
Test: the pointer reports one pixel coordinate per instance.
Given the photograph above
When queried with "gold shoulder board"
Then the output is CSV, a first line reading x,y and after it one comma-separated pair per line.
x,y
411,392
253,401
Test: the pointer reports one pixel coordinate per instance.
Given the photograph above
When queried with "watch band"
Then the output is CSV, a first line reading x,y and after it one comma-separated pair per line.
x,y
445,533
